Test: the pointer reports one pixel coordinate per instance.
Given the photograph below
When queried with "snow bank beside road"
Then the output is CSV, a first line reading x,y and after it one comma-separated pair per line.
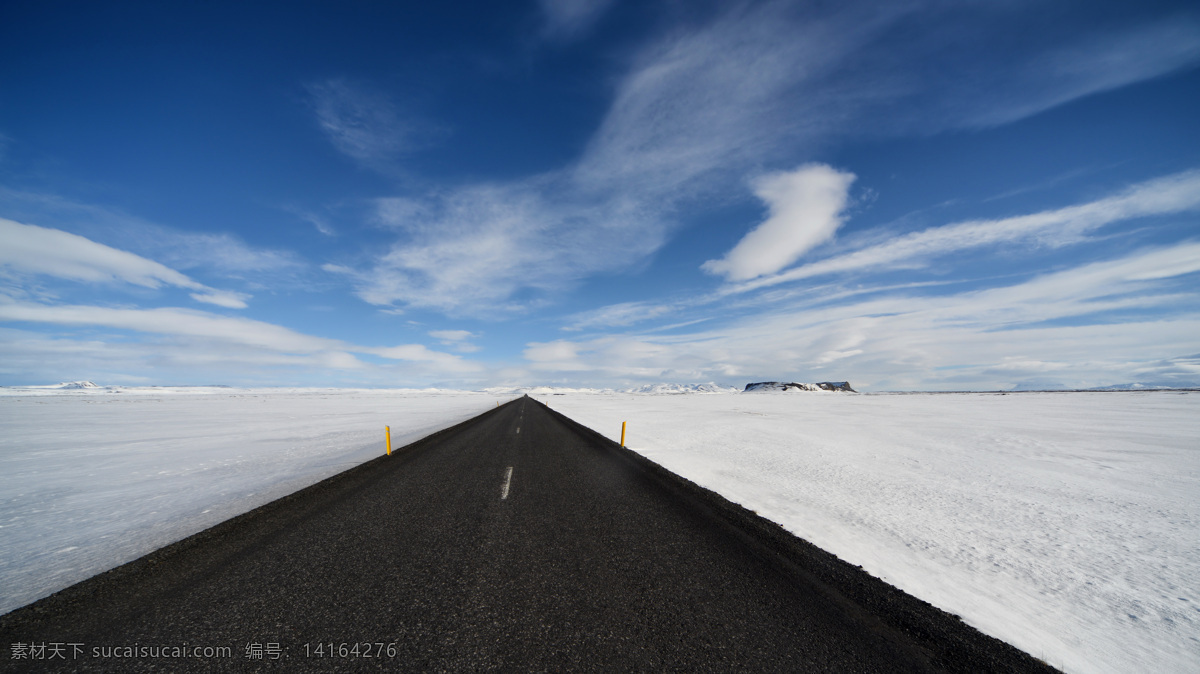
x,y
90,479
1067,524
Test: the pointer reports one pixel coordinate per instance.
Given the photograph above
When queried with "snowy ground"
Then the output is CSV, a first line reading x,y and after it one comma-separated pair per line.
x,y
94,477
1067,524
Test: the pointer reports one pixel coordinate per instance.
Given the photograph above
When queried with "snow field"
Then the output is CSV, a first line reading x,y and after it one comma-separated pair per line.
x,y
1067,524
93,479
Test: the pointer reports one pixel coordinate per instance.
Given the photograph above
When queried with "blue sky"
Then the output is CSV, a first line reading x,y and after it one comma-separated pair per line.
x,y
907,195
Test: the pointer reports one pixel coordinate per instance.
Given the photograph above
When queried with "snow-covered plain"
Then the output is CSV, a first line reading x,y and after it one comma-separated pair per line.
x,y
1067,524
92,477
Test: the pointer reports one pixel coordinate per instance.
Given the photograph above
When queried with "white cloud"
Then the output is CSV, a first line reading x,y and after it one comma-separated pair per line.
x,y
557,356
761,81
34,357
616,315
222,298
699,101
316,220
1175,193
1099,61
421,354
708,102
456,339
223,253
213,333
337,269
402,213
983,339
366,125
64,255
53,252
561,350
1121,283
748,87
703,105
172,321
451,335
469,251
805,211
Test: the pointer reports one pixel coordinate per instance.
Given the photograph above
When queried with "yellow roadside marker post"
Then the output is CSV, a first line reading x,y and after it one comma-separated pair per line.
x,y
388,431
622,433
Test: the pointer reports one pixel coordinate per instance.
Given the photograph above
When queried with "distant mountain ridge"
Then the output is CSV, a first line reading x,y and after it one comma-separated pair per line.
x,y
765,386
73,385
673,389
1136,386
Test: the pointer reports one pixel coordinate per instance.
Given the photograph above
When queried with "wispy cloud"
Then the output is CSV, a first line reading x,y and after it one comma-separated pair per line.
x,y
220,253
1170,194
706,104
805,211
53,252
1099,61
696,102
755,83
172,321
878,251
208,329
616,315
226,255
469,251
558,356
419,353
316,220
993,338
366,125
451,335
763,80
456,339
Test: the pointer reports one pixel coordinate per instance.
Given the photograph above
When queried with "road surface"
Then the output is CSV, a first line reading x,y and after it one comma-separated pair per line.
x,y
516,541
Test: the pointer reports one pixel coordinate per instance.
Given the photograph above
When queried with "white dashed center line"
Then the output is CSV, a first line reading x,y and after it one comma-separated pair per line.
x,y
507,483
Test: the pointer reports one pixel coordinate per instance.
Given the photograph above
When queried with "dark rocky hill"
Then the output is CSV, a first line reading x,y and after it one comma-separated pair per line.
x,y
793,386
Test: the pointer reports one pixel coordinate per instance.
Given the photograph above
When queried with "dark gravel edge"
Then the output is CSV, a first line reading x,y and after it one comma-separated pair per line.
x,y
950,644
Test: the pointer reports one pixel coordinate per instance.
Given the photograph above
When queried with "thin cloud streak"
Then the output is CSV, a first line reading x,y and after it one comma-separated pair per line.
x,y
53,252
222,253
902,341
456,339
366,125
241,332
469,251
703,106
617,315
753,84
1060,227
1177,193
1099,62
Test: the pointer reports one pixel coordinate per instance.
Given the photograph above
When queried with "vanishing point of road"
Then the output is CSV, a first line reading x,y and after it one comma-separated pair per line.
x,y
516,541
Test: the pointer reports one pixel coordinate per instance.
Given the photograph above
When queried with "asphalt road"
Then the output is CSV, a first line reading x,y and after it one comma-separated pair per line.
x,y
517,541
